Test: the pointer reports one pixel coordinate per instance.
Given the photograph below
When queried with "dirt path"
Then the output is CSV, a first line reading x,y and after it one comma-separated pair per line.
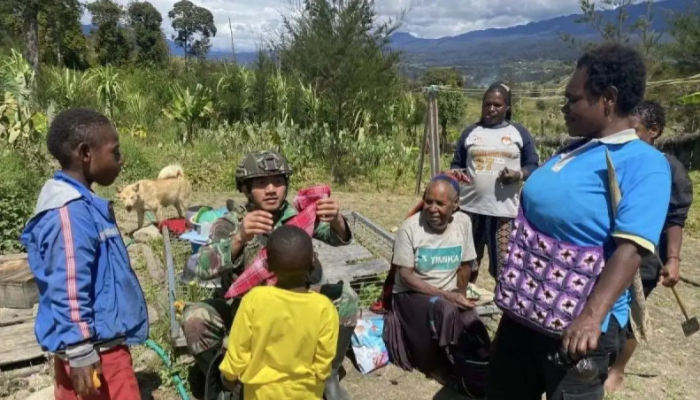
x,y
664,368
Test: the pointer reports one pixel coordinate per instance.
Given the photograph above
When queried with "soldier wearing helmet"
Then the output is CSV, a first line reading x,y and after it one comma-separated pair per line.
x,y
236,239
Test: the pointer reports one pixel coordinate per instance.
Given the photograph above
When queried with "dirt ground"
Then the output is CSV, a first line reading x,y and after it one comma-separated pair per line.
x,y
664,368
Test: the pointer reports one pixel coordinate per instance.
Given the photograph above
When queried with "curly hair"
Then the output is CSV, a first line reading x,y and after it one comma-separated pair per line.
x,y
70,128
619,66
651,113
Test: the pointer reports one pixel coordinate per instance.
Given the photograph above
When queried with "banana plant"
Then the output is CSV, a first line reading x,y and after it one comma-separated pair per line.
x,y
693,98
107,86
16,121
17,77
190,108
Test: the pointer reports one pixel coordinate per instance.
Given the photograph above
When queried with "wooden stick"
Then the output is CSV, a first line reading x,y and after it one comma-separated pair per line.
x,y
421,158
680,303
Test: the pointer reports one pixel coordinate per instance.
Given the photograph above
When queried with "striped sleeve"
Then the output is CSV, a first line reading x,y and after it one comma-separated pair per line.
x,y
459,159
529,159
71,243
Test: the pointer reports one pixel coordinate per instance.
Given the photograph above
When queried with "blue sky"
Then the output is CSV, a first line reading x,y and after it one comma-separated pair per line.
x,y
253,20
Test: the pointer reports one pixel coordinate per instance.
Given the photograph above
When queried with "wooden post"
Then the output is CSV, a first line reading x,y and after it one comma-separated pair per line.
x,y
421,158
434,136
431,138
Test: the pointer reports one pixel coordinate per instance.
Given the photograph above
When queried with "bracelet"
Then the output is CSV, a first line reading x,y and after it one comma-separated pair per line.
x,y
676,257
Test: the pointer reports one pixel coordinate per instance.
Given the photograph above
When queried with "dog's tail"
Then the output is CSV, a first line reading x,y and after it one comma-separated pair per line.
x,y
173,171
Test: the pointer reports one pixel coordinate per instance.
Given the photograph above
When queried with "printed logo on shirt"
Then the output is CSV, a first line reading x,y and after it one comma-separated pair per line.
x,y
506,140
484,165
475,139
438,258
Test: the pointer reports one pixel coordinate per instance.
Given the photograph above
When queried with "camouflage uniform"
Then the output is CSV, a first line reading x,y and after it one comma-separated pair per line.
x,y
206,323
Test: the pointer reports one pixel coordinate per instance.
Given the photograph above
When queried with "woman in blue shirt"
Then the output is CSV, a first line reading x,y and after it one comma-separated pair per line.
x,y
568,201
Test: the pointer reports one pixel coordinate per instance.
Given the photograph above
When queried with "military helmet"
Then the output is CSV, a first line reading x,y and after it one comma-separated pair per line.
x,y
264,163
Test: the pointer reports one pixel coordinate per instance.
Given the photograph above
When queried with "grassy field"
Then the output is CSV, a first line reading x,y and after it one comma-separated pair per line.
x,y
664,368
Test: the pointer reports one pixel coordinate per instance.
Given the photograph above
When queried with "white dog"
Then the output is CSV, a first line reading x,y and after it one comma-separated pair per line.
x,y
170,189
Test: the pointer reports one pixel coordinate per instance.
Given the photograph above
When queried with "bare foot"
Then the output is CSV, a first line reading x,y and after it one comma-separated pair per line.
x,y
616,379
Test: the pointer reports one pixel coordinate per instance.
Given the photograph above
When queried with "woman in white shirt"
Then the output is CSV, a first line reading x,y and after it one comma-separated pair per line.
x,y
496,156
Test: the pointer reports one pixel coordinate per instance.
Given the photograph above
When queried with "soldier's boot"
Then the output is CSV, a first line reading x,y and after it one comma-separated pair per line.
x,y
333,390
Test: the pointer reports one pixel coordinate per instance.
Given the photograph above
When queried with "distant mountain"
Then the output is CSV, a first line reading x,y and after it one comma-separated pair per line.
x,y
524,51
482,53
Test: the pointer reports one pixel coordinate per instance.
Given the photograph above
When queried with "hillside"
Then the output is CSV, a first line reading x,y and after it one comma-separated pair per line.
x,y
484,54
518,51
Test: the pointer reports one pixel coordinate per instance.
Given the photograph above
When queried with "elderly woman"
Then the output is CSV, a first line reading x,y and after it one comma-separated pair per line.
x,y
577,244
430,315
495,155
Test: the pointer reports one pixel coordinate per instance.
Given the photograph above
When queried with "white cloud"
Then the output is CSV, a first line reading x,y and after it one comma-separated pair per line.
x,y
255,19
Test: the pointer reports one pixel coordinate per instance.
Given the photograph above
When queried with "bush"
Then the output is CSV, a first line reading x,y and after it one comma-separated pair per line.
x,y
16,210
20,182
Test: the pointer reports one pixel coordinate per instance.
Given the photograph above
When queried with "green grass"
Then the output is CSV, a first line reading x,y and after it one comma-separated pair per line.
x,y
692,226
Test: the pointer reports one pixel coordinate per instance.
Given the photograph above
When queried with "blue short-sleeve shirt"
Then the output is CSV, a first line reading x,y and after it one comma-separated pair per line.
x,y
569,199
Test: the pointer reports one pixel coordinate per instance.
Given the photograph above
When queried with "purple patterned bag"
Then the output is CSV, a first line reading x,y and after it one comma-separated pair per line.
x,y
546,282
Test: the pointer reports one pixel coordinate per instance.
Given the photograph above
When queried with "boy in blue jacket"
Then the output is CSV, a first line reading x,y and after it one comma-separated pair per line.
x,y
91,306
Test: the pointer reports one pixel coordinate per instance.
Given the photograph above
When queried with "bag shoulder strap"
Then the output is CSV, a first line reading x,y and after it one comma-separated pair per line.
x,y
613,185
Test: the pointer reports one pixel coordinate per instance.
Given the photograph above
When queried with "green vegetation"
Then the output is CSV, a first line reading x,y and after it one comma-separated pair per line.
x,y
327,92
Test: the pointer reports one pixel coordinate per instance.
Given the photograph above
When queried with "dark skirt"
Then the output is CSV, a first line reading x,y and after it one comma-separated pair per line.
x,y
421,333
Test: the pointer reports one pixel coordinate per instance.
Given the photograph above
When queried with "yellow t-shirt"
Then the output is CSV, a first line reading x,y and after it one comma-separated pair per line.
x,y
282,344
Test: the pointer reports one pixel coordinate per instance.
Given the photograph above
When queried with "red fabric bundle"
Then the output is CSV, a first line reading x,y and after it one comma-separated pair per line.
x,y
256,272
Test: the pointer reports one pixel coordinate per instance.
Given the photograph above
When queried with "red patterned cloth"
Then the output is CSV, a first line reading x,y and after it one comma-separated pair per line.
x,y
383,304
256,272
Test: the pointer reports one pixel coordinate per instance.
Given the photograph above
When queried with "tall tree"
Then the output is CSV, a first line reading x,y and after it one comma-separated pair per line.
x,y
10,25
111,40
686,30
194,26
621,29
339,48
28,11
61,36
145,22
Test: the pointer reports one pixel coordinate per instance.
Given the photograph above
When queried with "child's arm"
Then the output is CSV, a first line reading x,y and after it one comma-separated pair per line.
x,y
327,342
71,242
239,350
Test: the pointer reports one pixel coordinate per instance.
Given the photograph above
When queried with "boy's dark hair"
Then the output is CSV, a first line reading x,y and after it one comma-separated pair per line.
x,y
290,255
70,128
617,65
651,113
504,90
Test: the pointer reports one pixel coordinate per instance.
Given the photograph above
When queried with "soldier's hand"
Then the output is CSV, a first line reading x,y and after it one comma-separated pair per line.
x,y
328,210
255,223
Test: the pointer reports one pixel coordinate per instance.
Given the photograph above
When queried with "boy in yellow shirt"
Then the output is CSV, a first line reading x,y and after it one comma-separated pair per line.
x,y
283,338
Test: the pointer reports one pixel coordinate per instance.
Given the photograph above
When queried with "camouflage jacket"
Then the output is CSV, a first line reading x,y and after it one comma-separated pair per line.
x,y
215,258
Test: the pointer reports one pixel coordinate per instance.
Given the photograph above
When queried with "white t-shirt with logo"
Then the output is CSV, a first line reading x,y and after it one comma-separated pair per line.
x,y
434,255
484,152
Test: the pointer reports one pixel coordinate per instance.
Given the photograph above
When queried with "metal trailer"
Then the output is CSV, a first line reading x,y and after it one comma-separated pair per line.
x,y
364,263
